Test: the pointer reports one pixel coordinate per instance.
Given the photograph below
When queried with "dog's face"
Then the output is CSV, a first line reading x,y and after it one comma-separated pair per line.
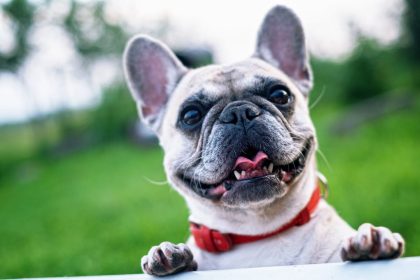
x,y
235,135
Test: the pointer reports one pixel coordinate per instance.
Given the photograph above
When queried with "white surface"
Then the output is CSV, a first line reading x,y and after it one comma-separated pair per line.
x,y
400,269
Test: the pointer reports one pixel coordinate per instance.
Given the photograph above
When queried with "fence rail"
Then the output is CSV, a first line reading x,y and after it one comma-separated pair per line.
x,y
400,269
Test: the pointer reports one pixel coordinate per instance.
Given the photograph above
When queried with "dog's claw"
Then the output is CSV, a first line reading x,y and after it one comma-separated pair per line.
x,y
168,258
371,243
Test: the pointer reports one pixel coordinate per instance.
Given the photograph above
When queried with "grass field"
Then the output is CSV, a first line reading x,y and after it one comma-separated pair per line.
x,y
97,212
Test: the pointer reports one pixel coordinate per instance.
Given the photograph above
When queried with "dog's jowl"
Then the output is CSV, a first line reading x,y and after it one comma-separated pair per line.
x,y
240,148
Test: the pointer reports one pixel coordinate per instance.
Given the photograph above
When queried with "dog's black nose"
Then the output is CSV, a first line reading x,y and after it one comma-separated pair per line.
x,y
239,112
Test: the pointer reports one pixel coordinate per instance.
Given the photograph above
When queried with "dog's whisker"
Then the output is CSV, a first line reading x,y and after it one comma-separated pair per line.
x,y
154,182
318,99
296,135
188,162
324,158
299,153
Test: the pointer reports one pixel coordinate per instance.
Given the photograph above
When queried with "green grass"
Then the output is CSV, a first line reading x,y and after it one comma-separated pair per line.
x,y
90,213
374,173
96,211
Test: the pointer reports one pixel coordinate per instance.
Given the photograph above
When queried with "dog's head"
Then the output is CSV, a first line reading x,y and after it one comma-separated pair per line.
x,y
235,135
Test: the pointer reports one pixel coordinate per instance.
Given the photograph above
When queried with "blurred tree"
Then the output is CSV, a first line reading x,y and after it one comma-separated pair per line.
x,y
411,23
195,57
93,37
115,116
363,77
22,15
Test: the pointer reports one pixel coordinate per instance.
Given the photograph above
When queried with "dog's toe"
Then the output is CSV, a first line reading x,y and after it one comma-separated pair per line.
x,y
371,243
168,258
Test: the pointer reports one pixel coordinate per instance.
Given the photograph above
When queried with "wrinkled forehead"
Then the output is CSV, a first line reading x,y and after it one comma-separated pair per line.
x,y
218,81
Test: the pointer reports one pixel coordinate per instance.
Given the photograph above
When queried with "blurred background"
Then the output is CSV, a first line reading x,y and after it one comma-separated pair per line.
x,y
82,188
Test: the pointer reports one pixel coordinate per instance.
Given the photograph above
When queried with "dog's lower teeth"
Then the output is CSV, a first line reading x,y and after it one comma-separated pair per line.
x,y
270,168
237,175
283,173
301,160
243,173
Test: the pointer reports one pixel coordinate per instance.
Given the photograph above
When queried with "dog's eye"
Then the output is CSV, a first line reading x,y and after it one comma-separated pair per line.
x,y
191,115
280,95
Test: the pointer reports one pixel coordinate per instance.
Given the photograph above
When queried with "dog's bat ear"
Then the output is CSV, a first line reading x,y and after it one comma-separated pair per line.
x,y
152,71
281,42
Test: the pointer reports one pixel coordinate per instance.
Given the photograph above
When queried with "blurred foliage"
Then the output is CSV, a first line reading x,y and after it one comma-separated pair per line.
x,y
372,69
92,34
364,77
21,12
194,57
411,24
115,117
369,71
93,38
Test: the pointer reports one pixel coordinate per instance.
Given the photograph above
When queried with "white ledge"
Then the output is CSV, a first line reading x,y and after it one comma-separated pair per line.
x,y
401,269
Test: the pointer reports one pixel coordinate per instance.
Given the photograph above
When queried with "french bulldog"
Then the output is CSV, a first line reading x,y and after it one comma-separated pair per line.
x,y
240,148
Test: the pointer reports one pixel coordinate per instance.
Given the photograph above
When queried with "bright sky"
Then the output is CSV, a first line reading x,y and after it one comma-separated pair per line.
x,y
229,27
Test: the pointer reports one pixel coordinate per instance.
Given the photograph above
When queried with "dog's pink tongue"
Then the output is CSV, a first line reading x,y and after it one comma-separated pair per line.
x,y
246,164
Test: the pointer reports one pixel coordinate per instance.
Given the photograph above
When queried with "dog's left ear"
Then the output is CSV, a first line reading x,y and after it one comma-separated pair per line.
x,y
152,71
281,42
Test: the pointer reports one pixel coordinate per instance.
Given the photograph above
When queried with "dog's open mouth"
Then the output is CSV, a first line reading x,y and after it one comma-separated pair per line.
x,y
251,168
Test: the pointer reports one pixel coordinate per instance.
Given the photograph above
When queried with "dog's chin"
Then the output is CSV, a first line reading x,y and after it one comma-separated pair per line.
x,y
255,191
255,180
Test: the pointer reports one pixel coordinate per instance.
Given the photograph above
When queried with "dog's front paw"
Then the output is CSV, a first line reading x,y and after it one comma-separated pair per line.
x,y
371,243
168,258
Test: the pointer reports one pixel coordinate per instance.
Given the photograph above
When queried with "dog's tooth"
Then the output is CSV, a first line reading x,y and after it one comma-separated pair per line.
x,y
243,173
283,173
270,167
237,174
265,169
302,160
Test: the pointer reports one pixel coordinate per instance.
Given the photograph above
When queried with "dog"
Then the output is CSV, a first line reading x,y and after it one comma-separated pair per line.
x,y
240,148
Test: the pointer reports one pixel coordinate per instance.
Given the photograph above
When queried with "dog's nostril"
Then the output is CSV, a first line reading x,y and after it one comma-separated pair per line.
x,y
230,118
239,114
251,114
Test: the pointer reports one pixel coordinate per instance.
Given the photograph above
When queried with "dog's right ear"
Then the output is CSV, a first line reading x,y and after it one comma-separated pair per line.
x,y
281,42
152,71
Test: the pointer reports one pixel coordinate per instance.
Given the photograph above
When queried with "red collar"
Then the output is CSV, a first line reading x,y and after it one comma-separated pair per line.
x,y
214,241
